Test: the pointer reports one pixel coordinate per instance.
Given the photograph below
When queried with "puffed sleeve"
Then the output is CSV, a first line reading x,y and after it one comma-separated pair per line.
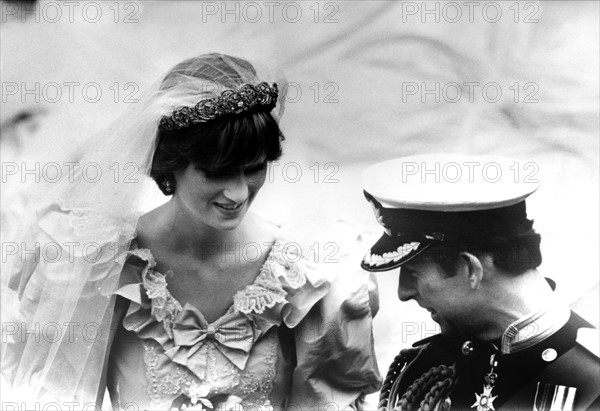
x,y
336,363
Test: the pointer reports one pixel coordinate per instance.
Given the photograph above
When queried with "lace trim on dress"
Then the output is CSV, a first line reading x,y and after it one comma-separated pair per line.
x,y
164,307
166,387
217,360
267,290
253,387
264,293
288,264
258,386
283,266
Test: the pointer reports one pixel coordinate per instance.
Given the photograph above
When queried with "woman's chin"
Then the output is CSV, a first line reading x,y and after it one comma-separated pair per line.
x,y
229,221
229,225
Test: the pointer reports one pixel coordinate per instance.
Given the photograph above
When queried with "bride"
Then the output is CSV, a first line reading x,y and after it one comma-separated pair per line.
x,y
183,318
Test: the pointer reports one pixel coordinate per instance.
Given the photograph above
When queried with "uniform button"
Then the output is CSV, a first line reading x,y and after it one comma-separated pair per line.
x,y
467,348
549,355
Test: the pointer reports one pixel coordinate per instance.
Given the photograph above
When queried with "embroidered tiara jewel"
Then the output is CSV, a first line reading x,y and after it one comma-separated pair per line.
x,y
245,98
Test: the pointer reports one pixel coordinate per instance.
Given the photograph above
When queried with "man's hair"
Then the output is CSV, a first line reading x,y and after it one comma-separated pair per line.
x,y
514,252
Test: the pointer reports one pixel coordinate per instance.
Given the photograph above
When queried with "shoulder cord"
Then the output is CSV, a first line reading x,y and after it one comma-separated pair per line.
x,y
443,381
394,371
432,386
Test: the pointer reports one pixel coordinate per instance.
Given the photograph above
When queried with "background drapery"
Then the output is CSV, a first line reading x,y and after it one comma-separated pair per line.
x,y
369,80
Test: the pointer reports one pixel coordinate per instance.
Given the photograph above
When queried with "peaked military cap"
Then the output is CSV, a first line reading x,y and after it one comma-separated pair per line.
x,y
429,199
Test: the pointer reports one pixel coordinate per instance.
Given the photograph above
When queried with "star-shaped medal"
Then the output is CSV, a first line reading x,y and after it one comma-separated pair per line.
x,y
484,402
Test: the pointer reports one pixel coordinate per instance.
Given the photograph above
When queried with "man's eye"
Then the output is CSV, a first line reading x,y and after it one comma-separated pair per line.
x,y
407,271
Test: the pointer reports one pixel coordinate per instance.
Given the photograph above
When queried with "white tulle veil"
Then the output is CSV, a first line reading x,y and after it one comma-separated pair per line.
x,y
64,264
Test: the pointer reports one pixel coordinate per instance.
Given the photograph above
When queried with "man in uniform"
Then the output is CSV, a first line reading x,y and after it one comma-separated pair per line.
x,y
457,228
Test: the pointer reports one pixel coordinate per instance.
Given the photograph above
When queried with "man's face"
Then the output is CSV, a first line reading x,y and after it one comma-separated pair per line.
x,y
447,296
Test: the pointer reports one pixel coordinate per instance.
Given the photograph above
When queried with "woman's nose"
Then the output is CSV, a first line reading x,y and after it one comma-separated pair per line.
x,y
237,188
406,286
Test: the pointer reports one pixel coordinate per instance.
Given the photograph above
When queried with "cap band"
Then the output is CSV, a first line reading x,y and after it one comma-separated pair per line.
x,y
448,226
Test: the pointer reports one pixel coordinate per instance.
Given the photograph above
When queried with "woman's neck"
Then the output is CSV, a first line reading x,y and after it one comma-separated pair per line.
x,y
187,235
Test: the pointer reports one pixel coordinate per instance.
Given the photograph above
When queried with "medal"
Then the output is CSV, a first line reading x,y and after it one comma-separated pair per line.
x,y
485,400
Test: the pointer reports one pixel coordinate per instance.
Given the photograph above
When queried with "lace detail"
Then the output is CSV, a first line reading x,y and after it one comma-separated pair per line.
x,y
211,364
164,306
267,290
264,293
254,386
257,386
229,370
216,362
285,262
167,387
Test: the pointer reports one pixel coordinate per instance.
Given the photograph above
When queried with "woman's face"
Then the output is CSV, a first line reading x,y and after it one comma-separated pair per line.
x,y
219,198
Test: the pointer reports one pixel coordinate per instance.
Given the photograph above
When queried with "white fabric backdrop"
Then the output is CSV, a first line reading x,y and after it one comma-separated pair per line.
x,y
348,65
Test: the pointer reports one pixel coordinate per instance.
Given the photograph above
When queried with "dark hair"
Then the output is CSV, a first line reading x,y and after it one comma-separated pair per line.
x,y
225,143
514,252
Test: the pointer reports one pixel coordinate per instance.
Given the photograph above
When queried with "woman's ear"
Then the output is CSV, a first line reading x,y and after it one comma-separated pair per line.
x,y
474,269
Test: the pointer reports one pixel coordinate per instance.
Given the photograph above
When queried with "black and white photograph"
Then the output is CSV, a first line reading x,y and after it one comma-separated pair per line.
x,y
300,205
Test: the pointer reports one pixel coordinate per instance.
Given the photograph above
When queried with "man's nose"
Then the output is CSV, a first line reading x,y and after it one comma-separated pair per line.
x,y
406,286
237,188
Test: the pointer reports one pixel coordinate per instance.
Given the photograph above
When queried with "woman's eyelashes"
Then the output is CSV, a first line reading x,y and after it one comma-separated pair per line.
x,y
215,174
220,173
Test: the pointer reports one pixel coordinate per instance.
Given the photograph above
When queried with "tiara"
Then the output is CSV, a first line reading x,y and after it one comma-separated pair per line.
x,y
245,98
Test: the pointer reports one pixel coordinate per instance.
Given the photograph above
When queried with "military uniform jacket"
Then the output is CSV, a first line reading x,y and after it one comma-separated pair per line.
x,y
463,375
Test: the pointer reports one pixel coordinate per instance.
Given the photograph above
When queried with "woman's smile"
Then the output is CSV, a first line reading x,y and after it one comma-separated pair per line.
x,y
229,208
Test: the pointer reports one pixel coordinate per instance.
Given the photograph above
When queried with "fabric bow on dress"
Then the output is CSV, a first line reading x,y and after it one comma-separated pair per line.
x,y
233,335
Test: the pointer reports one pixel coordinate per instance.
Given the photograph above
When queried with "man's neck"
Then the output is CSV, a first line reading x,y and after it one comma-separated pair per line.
x,y
510,298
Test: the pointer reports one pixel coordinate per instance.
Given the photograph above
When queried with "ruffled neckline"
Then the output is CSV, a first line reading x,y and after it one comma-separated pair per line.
x,y
285,290
281,267
286,287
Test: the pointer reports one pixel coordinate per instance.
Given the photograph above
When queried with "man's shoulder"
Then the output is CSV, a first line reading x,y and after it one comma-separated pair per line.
x,y
579,366
583,356
564,364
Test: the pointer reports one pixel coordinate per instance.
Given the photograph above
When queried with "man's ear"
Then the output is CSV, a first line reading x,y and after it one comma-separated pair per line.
x,y
474,269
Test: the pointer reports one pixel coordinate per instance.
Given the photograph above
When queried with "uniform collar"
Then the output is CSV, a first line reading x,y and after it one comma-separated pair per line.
x,y
527,330
535,327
